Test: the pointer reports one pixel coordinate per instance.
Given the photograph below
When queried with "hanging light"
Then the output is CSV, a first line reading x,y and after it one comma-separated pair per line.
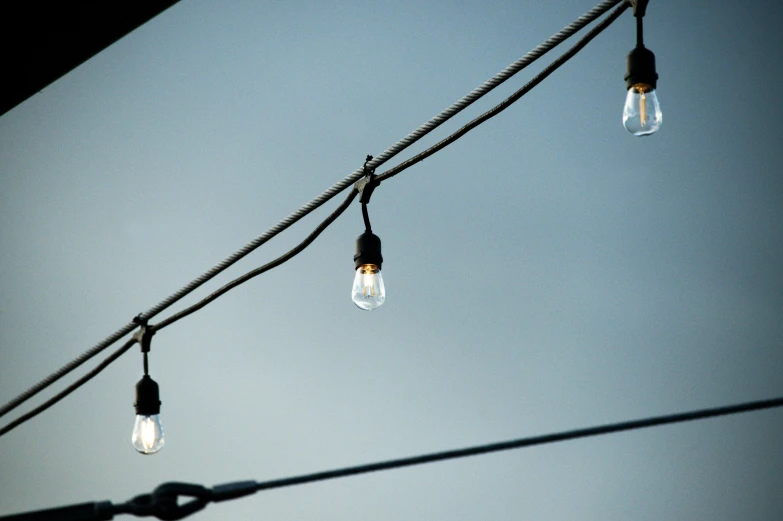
x,y
147,436
368,291
642,112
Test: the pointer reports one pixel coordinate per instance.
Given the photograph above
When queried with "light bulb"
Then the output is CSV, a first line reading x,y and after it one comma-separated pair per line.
x,y
147,435
642,113
368,291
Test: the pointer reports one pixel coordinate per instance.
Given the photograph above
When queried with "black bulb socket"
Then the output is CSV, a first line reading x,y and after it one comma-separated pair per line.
x,y
640,68
147,397
368,250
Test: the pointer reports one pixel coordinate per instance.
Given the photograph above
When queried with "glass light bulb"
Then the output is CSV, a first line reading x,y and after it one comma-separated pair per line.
x,y
147,435
642,113
368,292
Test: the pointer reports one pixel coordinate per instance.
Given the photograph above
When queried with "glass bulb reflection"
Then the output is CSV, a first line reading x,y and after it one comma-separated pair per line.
x,y
147,435
368,291
642,113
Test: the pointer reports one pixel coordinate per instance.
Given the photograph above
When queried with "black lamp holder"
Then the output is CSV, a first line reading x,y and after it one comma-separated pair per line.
x,y
368,250
147,397
640,62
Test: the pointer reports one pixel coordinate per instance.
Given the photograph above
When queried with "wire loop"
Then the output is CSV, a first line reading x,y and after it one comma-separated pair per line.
x,y
163,502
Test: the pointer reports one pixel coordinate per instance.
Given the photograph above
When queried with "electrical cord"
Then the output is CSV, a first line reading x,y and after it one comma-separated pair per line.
x,y
71,388
182,314
164,502
266,267
508,101
338,187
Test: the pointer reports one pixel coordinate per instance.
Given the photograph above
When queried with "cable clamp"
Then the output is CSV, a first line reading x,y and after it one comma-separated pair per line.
x,y
639,7
367,184
144,335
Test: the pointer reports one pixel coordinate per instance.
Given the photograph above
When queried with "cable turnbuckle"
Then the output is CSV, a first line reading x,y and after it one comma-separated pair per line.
x,y
163,503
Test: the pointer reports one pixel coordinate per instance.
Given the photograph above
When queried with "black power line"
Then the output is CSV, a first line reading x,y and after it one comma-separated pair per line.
x,y
71,388
165,501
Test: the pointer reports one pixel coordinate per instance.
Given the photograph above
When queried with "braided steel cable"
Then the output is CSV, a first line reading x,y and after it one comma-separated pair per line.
x,y
315,203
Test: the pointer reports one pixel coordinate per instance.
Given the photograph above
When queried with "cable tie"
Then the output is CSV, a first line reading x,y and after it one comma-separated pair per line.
x,y
639,7
144,336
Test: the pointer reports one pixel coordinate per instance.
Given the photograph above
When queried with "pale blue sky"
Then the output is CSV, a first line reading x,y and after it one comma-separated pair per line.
x,y
548,271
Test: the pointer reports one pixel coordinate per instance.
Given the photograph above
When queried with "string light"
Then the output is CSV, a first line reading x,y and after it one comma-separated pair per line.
x,y
147,436
642,112
368,291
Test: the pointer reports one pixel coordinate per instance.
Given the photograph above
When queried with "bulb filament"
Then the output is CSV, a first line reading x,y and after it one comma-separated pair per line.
x,y
642,88
147,428
643,109
368,270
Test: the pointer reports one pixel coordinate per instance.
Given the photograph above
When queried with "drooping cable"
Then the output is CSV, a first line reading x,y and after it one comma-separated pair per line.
x,y
182,314
166,501
497,109
338,187
71,388
266,267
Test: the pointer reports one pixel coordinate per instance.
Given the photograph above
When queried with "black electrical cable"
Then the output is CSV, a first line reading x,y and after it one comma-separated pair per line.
x,y
508,101
523,442
182,314
49,380
71,388
366,217
166,501
266,267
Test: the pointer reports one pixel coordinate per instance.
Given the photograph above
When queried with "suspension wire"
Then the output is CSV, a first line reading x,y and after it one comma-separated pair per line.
x,y
508,101
587,432
71,388
325,196
167,500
